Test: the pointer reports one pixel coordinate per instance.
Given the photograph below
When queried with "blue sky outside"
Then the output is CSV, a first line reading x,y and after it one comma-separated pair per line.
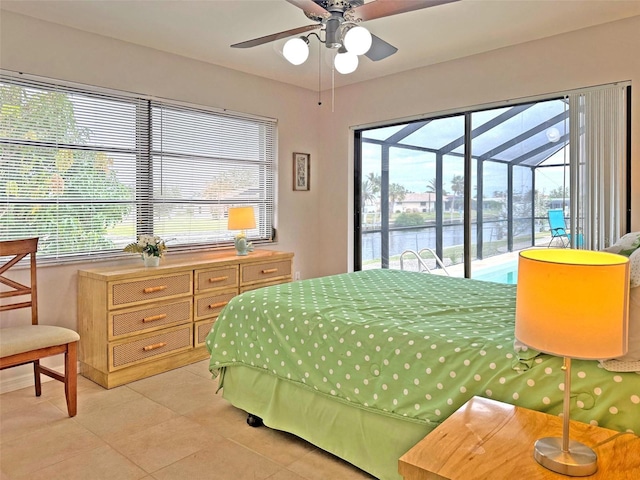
x,y
414,169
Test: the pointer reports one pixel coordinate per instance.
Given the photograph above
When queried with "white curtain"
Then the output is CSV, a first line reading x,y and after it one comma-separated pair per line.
x,y
598,165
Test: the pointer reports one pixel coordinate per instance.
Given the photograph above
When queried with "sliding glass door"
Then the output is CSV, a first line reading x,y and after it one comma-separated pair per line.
x,y
411,192
431,197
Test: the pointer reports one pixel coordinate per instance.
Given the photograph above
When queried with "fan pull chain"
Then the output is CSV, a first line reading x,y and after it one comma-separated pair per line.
x,y
319,74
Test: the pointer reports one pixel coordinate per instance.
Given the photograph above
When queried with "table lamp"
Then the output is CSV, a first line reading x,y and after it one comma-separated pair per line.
x,y
241,218
573,304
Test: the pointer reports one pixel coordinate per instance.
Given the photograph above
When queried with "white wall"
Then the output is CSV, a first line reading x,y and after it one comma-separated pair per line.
x,y
316,225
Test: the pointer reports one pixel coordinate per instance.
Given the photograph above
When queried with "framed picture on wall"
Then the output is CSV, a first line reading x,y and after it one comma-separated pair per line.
x,y
301,171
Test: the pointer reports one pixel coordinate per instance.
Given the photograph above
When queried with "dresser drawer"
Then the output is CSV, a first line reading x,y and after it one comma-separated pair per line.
x,y
167,342
256,286
216,278
151,288
202,330
211,304
146,319
263,272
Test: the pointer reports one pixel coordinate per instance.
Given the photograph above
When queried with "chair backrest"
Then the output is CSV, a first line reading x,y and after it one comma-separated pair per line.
x,y
15,295
556,219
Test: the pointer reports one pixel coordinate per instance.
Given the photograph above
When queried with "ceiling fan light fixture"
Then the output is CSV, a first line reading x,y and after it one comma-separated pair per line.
x,y
553,134
357,40
296,50
346,62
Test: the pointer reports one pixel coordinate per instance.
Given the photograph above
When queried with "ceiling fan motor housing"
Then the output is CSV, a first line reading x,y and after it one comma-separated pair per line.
x,y
333,6
332,33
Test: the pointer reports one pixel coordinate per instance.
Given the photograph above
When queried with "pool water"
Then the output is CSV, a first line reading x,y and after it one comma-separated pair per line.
x,y
506,273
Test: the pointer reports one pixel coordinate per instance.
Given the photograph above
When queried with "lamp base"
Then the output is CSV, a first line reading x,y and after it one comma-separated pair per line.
x,y
242,246
578,461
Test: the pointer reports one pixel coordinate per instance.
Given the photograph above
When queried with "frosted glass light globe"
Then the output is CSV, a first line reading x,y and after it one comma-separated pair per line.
x,y
296,51
553,134
346,62
357,40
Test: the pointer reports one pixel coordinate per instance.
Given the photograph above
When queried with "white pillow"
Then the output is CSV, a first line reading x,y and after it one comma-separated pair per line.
x,y
629,246
629,362
634,268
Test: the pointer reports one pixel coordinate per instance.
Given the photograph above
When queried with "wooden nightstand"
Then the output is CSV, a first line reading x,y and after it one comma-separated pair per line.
x,y
486,439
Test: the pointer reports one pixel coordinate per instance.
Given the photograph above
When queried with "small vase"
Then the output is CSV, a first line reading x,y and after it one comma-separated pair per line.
x,y
150,261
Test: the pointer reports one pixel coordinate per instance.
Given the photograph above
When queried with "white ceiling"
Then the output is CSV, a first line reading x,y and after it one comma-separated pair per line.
x,y
204,29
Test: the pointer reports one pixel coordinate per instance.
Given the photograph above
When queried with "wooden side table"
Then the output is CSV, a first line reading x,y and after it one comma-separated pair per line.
x,y
486,439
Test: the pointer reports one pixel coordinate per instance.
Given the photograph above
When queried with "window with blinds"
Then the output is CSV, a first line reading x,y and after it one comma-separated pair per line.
x,y
87,171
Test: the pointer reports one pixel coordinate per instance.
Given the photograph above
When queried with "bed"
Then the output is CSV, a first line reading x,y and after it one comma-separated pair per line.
x,y
365,364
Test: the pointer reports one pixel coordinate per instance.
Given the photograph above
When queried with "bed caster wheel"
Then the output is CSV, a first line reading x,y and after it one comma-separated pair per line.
x,y
254,421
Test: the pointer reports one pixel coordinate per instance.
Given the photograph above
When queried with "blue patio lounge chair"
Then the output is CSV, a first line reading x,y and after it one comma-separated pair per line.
x,y
558,229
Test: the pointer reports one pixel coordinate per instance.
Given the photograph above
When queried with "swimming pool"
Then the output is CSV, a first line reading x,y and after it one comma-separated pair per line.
x,y
505,273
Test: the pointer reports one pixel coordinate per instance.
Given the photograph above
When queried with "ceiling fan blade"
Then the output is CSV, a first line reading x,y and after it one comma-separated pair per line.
x,y
310,6
380,49
386,8
275,36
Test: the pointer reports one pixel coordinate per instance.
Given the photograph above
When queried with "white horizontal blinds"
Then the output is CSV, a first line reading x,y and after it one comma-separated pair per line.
x,y
87,170
203,162
67,167
598,164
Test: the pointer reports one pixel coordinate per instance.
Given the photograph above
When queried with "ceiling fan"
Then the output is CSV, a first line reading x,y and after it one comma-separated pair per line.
x,y
340,21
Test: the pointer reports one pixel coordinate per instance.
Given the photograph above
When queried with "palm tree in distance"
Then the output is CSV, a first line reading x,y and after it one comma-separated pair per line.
x,y
457,186
432,187
370,193
375,182
396,194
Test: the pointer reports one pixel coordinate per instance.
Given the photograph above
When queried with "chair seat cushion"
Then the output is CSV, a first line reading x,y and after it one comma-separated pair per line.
x,y
14,340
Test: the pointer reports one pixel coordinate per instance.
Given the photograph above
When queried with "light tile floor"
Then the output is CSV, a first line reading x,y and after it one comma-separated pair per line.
x,y
169,426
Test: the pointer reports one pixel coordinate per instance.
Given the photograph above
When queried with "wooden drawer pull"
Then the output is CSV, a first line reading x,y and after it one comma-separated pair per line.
x,y
270,270
218,305
154,346
154,318
159,288
218,279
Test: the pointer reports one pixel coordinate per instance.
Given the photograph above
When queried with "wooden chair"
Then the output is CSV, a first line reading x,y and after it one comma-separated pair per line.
x,y
24,344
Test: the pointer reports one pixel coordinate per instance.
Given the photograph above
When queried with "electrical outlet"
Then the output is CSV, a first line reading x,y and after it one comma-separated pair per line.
x,y
296,276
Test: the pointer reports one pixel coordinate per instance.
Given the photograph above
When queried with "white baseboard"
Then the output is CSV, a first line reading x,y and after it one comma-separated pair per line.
x,y
22,377
17,383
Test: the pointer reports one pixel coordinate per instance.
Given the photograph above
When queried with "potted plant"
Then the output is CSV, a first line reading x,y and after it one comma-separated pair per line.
x,y
150,247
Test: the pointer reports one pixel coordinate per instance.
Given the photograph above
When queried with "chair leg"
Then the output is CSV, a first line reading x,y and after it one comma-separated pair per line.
x,y
71,378
36,376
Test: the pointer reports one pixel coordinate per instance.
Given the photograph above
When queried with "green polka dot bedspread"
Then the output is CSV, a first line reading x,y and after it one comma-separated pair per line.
x,y
410,345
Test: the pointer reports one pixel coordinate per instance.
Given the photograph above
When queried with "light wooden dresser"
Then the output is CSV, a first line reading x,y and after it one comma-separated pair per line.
x,y
135,321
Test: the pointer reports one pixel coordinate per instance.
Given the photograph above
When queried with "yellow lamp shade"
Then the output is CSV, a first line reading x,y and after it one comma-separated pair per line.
x,y
241,218
573,303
